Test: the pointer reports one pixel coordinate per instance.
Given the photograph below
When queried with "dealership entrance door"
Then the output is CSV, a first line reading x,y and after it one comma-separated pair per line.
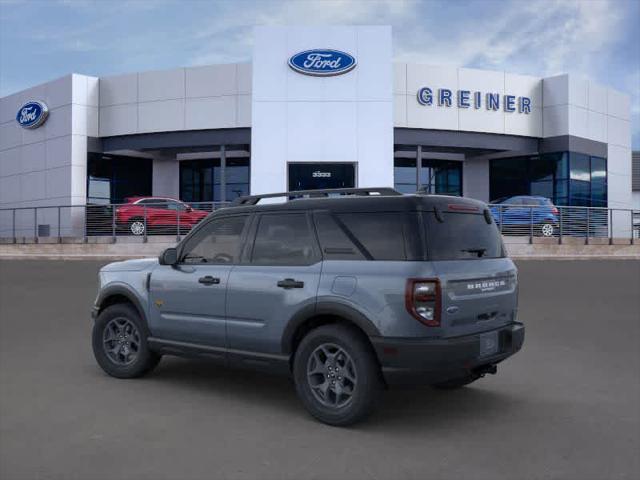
x,y
315,176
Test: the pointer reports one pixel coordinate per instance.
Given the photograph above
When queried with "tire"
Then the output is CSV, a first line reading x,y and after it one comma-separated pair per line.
x,y
358,385
136,226
456,383
547,229
119,341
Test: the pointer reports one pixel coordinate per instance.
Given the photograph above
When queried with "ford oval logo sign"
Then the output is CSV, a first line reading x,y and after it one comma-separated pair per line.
x,y
32,114
322,63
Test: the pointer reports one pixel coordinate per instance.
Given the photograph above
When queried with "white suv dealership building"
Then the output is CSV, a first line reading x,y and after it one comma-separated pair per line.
x,y
318,107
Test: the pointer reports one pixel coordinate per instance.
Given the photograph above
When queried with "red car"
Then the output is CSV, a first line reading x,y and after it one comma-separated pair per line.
x,y
162,214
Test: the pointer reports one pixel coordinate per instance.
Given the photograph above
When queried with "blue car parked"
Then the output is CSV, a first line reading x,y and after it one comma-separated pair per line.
x,y
517,214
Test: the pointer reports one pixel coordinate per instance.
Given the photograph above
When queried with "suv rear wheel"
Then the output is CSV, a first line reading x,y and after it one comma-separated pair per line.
x,y
336,375
119,342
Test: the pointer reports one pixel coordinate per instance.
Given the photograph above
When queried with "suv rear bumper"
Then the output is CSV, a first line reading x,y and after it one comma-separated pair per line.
x,y
406,361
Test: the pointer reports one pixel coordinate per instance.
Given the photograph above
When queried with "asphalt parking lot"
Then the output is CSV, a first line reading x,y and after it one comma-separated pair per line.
x,y
567,406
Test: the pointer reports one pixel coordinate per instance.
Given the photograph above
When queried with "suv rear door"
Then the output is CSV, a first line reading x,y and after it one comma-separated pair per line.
x,y
478,281
279,277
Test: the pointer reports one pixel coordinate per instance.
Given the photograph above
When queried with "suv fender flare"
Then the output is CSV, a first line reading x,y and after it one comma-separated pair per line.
x,y
336,309
122,290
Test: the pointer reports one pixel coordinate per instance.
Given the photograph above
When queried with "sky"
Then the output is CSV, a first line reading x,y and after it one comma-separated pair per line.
x,y
44,39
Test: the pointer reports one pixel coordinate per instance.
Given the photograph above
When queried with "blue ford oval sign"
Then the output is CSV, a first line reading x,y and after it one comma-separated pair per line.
x,y
32,114
322,62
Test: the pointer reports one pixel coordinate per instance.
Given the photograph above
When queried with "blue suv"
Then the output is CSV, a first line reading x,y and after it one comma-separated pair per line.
x,y
346,294
517,215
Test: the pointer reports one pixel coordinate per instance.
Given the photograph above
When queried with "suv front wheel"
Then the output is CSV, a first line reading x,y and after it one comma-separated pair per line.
x,y
336,375
119,342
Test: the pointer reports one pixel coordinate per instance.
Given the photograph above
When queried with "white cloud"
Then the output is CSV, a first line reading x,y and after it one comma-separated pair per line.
x,y
228,30
535,37
545,37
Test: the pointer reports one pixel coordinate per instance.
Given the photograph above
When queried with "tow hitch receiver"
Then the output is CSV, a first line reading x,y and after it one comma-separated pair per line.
x,y
486,369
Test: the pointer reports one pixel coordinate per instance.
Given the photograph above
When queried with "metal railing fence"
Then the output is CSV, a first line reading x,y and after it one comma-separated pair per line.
x,y
517,223
529,222
107,220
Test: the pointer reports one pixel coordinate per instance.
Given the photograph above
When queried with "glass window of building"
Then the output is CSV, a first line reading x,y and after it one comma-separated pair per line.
x,y
566,178
443,177
196,179
598,182
113,178
237,176
405,175
212,180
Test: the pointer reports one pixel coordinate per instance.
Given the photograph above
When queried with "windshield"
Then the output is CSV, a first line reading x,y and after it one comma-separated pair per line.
x,y
462,236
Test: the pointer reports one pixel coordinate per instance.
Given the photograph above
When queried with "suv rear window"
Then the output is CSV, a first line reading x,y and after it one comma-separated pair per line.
x,y
462,236
381,235
334,240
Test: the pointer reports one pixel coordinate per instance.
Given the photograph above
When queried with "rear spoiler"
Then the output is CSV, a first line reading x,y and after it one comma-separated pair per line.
x,y
460,207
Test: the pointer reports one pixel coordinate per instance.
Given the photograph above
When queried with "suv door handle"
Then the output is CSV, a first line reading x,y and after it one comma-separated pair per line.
x,y
290,283
209,280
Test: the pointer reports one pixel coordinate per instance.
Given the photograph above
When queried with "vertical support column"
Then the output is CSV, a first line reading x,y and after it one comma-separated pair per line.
x,y
13,225
530,225
113,223
223,173
145,224
561,209
85,226
59,227
610,226
418,166
586,235
35,224
178,225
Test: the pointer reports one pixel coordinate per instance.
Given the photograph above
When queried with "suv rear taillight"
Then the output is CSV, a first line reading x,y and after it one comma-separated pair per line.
x,y
422,299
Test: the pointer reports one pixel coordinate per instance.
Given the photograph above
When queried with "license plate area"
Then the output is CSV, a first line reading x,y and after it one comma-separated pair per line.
x,y
489,344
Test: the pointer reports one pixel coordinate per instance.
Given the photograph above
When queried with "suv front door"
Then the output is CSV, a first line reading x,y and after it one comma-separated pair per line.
x,y
187,301
280,277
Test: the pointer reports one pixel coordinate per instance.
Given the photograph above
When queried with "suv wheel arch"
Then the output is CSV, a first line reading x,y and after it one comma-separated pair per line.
x,y
119,294
324,313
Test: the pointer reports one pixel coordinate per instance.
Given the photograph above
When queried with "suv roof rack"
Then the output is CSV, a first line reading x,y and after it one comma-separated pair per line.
x,y
254,199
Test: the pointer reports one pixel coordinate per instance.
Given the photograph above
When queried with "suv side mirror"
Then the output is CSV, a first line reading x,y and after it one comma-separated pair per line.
x,y
169,257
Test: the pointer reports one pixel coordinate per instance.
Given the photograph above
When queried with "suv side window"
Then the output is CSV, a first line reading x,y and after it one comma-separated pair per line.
x,y
219,242
284,239
381,234
334,241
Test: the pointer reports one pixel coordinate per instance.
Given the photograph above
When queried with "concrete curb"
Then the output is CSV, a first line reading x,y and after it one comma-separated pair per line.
x,y
574,257
125,250
65,256
116,257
